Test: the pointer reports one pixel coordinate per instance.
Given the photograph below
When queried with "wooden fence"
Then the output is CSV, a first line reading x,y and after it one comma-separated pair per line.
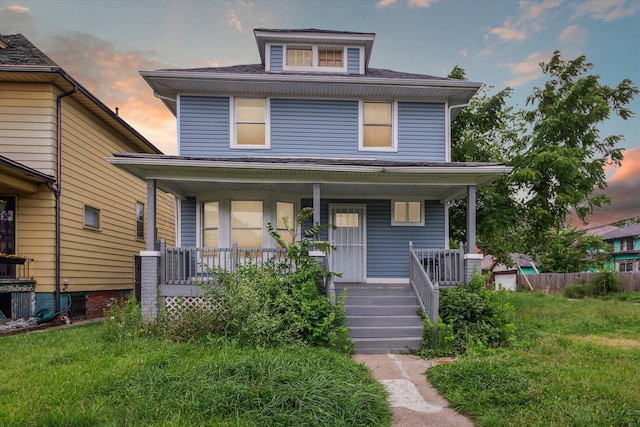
x,y
555,282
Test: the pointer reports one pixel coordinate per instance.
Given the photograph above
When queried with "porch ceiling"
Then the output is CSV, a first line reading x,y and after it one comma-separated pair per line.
x,y
375,179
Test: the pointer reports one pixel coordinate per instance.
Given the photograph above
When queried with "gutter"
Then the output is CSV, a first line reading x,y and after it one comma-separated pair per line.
x,y
57,189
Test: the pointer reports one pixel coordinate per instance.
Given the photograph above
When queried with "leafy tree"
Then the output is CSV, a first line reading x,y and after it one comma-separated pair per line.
x,y
571,250
555,149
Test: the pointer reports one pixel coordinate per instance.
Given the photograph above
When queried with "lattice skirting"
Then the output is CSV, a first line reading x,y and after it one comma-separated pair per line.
x,y
177,305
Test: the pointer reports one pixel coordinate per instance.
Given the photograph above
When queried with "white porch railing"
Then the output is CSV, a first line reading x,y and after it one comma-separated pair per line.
x,y
191,265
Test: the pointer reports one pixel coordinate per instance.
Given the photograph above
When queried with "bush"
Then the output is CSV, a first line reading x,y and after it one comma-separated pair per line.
x,y
575,291
470,317
602,284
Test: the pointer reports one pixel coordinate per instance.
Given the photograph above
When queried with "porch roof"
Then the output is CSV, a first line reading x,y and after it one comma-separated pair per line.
x,y
15,176
188,176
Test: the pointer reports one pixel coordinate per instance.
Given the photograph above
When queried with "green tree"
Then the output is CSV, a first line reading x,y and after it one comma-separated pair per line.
x,y
571,250
555,149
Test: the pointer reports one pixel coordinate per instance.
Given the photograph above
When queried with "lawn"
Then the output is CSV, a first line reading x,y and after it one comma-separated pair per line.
x,y
576,363
76,377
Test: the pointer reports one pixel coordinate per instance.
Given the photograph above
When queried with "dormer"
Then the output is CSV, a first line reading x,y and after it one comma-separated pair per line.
x,y
314,51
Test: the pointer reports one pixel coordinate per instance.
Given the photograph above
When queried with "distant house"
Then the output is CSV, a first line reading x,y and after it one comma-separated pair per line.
x,y
626,248
313,125
506,276
71,225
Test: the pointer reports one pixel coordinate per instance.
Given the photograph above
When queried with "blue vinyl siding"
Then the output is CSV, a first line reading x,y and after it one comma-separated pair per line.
x,y
204,126
387,246
313,128
421,131
276,58
353,60
188,225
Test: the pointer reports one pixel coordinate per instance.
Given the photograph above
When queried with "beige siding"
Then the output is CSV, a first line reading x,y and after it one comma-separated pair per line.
x,y
28,124
100,260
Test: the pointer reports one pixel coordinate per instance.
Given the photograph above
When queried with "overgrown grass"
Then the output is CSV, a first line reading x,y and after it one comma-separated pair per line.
x,y
75,377
575,363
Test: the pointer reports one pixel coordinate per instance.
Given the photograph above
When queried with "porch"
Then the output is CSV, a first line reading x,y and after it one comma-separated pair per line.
x,y
17,288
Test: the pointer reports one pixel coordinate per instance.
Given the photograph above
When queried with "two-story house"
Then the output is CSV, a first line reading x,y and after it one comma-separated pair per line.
x,y
625,241
312,125
71,225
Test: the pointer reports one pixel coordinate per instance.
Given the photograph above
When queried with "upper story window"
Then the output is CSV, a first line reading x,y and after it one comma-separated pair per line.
x,y
626,245
408,213
250,129
92,217
377,126
330,58
299,57
315,58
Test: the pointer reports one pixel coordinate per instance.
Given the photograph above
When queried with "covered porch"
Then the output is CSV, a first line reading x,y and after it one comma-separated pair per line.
x,y
366,201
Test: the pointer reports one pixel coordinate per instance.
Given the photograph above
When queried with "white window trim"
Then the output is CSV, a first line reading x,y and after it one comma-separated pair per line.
x,y
314,59
394,127
232,124
395,223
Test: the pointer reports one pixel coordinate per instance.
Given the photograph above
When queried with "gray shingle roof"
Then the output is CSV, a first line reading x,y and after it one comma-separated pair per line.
x,y
259,69
632,230
21,51
308,30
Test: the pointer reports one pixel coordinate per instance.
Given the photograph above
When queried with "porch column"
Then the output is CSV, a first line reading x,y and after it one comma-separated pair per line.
x,y
472,260
149,260
151,214
316,204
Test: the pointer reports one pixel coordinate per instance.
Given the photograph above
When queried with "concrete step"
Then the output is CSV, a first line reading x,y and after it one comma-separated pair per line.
x,y
385,310
405,320
389,290
385,331
381,300
387,345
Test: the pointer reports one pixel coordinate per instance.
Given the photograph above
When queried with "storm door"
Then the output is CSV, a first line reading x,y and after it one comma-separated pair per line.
x,y
349,238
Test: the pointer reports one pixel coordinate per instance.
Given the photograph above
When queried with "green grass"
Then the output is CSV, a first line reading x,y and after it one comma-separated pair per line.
x,y
75,377
576,363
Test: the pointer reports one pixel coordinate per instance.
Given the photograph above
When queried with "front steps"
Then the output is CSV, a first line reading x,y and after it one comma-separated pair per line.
x,y
382,318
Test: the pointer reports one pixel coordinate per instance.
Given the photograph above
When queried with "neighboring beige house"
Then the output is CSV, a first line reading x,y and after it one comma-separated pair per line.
x,y
77,222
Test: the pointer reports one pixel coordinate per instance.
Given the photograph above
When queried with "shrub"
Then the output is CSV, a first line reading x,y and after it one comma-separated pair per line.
x,y
470,317
575,291
605,283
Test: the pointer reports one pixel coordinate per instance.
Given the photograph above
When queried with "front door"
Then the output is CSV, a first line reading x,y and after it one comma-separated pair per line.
x,y
349,237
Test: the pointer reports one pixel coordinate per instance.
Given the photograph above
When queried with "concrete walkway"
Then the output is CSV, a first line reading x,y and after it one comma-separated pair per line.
x,y
413,400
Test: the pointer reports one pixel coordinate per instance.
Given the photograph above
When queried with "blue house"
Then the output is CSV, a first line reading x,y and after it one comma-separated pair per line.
x,y
625,243
312,125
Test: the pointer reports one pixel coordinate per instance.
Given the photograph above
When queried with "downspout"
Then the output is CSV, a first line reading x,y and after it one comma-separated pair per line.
x,y
58,189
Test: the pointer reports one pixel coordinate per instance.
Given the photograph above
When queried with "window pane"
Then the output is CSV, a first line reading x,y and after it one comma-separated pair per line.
x,y
376,136
250,134
210,238
400,211
377,113
250,110
414,211
247,238
139,220
91,217
246,214
299,57
284,210
346,220
210,214
330,58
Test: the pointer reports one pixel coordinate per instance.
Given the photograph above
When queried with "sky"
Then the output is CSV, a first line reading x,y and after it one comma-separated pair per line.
x,y
103,44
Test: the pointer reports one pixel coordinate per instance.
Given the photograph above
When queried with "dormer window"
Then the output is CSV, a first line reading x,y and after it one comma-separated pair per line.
x,y
314,58
299,57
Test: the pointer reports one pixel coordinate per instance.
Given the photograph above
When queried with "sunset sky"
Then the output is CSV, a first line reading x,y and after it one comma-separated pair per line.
x,y
104,44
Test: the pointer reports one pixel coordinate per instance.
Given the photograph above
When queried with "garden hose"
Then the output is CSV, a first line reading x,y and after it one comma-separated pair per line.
x,y
44,315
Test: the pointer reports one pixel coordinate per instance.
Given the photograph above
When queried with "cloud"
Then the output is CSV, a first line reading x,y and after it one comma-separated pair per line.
x,y
16,19
573,34
464,52
422,3
622,187
609,10
233,20
411,3
526,71
385,3
531,16
110,73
